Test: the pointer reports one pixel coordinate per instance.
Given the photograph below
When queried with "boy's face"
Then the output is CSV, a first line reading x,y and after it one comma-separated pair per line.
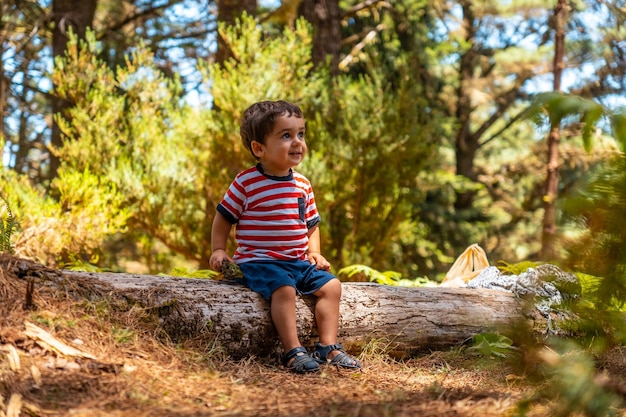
x,y
284,146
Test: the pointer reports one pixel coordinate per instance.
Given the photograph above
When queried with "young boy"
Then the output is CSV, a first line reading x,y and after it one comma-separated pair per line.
x,y
278,240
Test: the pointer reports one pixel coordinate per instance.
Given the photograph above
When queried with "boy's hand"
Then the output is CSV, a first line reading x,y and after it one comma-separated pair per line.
x,y
217,257
319,260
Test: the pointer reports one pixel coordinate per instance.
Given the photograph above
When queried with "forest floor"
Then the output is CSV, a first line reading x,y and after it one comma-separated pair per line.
x,y
85,358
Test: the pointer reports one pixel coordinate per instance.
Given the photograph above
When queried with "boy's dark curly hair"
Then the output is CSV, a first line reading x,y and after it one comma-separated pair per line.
x,y
258,120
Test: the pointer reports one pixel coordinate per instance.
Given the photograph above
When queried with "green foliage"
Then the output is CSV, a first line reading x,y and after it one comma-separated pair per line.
x,y
129,129
123,335
75,223
600,249
561,107
75,263
170,164
378,160
187,273
516,268
8,225
365,273
491,344
572,384
386,152
618,124
589,284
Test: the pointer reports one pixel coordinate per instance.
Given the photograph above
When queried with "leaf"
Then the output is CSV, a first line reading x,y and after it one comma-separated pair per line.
x,y
618,124
491,344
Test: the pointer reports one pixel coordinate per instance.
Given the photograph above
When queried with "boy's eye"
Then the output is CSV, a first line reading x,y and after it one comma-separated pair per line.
x,y
301,135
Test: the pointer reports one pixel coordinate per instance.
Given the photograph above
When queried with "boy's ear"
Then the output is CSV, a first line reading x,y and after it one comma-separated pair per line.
x,y
257,148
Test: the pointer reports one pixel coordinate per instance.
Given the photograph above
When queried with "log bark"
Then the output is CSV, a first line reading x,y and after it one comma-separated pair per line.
x,y
405,320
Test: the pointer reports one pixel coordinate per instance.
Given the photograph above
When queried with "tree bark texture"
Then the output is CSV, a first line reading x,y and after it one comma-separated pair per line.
x,y
325,16
548,237
406,320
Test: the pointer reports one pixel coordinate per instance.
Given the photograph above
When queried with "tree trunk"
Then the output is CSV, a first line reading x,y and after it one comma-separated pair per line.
x,y
228,11
548,239
407,320
325,16
75,15
466,143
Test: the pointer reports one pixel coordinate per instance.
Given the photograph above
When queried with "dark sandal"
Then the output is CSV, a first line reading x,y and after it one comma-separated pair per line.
x,y
302,362
341,360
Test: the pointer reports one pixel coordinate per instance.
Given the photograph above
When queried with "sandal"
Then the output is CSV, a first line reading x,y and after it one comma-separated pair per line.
x,y
302,363
341,360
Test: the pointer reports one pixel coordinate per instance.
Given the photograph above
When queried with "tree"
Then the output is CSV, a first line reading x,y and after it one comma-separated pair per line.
x,y
424,111
228,11
68,16
22,41
172,163
325,18
552,178
611,81
177,39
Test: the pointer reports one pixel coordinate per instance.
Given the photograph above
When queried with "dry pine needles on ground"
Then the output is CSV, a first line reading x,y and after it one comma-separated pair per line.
x,y
68,350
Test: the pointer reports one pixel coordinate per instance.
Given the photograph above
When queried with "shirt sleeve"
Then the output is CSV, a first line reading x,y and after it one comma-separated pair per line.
x,y
233,202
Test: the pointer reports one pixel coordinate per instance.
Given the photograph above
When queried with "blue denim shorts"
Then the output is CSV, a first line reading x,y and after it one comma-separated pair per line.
x,y
265,277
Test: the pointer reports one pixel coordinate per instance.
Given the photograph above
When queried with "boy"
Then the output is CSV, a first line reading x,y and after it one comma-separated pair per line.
x,y
278,240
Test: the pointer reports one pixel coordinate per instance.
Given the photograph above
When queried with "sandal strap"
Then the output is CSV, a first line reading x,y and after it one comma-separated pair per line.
x,y
342,359
302,363
321,351
345,361
293,353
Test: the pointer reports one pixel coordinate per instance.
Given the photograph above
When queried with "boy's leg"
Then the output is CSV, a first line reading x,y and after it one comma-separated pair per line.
x,y
327,311
283,313
327,319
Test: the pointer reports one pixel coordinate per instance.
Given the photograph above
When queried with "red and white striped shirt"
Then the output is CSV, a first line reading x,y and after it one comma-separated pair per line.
x,y
273,215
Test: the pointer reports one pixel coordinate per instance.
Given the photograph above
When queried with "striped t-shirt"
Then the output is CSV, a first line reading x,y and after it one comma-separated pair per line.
x,y
273,215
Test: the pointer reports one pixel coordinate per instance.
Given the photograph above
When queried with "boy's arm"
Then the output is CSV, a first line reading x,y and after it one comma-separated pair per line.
x,y
315,256
219,236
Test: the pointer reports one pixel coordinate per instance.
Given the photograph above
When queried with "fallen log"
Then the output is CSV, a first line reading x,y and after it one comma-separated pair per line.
x,y
405,320
401,320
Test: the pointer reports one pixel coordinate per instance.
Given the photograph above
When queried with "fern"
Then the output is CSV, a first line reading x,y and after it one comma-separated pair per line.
x,y
365,273
8,225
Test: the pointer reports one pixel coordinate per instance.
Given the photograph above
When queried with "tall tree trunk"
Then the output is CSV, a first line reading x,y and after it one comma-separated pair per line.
x,y
227,12
548,246
3,99
325,16
466,144
77,16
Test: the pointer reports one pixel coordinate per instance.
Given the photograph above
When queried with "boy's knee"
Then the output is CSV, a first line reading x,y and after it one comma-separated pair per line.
x,y
284,292
331,288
